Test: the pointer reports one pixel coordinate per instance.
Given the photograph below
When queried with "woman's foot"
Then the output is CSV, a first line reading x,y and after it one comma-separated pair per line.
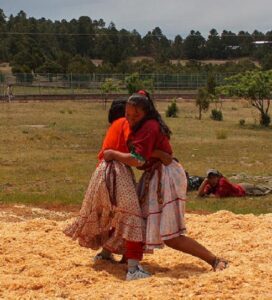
x,y
220,264
104,255
138,273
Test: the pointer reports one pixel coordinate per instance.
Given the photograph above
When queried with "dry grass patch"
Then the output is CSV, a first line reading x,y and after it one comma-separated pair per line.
x,y
48,150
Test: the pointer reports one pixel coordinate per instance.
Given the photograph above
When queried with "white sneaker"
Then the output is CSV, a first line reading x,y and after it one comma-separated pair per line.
x,y
139,273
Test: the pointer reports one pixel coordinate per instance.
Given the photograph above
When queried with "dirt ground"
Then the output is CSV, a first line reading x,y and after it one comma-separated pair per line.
x,y
38,262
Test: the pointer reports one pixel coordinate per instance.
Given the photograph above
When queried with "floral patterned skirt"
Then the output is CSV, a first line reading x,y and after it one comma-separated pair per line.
x,y
163,208
110,211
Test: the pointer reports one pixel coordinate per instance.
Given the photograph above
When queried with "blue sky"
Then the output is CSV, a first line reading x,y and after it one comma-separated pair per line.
x,y
172,16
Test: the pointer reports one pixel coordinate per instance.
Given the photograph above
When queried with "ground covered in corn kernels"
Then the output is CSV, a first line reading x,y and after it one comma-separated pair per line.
x,y
38,262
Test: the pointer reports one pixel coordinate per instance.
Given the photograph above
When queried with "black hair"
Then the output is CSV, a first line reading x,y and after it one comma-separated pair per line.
x,y
144,101
117,110
217,174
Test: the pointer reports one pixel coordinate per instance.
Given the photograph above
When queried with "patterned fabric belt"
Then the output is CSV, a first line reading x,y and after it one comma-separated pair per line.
x,y
147,178
110,179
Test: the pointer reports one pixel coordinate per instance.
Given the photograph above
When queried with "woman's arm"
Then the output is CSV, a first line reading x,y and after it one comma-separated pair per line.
x,y
130,160
164,157
125,158
201,189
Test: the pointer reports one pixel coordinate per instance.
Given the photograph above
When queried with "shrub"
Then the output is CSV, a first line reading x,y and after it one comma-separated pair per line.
x,y
52,124
217,115
172,110
134,83
254,86
23,73
242,122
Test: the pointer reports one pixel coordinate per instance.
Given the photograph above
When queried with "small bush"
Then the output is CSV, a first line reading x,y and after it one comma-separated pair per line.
x,y
217,115
52,124
242,122
172,110
135,82
221,135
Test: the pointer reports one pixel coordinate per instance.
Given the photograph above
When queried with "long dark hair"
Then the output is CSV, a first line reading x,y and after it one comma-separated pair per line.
x,y
143,100
117,109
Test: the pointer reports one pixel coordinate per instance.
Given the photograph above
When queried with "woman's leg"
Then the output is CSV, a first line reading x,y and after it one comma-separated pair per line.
x,y
105,254
190,246
255,190
134,254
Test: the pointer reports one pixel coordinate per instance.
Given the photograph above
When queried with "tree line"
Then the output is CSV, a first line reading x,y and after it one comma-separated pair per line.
x,y
33,45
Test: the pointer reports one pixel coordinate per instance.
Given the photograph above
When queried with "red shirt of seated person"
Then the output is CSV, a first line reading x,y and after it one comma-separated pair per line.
x,y
219,186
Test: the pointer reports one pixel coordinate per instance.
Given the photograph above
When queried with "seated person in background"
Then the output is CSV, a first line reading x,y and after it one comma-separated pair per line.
x,y
216,185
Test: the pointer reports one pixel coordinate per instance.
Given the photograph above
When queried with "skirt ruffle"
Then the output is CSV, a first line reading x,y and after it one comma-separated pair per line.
x,y
100,222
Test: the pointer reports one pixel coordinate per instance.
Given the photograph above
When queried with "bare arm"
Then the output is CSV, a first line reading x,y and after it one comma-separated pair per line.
x,y
201,189
125,158
128,159
165,158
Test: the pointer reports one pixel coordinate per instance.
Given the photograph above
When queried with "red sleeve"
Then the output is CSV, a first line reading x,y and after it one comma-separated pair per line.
x,y
224,188
144,140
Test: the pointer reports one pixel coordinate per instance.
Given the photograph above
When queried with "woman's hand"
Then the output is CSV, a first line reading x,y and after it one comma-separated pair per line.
x,y
125,158
211,196
202,187
166,159
108,155
205,181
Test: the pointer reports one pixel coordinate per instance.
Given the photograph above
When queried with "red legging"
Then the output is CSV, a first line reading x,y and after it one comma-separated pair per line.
x,y
134,250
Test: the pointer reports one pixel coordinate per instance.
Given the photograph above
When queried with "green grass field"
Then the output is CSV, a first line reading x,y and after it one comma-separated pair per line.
x,y
48,150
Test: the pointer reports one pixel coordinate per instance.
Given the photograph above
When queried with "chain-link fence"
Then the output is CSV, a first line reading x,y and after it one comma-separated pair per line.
x,y
73,84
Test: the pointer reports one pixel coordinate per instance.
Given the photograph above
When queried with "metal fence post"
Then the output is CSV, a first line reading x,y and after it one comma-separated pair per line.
x,y
39,86
72,86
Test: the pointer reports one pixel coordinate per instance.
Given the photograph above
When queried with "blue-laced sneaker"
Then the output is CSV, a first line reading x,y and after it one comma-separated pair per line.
x,y
139,273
